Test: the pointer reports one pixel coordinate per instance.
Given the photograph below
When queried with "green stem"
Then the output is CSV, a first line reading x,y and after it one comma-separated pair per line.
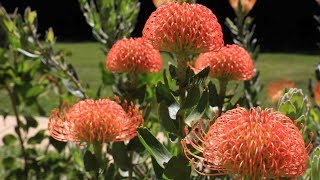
x,y
132,81
222,93
182,65
16,113
131,166
97,148
241,35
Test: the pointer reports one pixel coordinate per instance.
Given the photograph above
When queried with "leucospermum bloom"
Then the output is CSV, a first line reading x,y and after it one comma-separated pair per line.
x,y
100,121
254,144
231,62
158,3
316,93
276,89
247,5
183,29
133,56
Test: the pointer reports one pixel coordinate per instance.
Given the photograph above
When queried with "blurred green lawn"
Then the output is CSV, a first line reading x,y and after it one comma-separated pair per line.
x,y
86,57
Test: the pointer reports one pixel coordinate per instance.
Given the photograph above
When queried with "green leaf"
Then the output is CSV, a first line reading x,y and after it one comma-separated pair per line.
x,y
199,78
213,95
158,170
288,109
178,168
90,161
32,15
173,71
9,139
57,144
37,139
163,93
165,119
200,109
50,36
192,98
120,155
140,93
135,145
154,147
9,162
31,121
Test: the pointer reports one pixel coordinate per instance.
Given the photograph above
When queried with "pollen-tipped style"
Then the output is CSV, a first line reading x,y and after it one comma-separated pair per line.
x,y
133,55
231,62
254,144
100,121
276,89
183,29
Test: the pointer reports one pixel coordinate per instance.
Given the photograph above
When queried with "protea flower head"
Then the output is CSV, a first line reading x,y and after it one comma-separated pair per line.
x,y
158,3
316,93
100,121
277,88
247,5
183,29
133,56
254,144
231,62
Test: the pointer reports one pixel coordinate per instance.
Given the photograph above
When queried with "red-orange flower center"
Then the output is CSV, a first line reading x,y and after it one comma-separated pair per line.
x,y
276,89
95,122
183,29
133,56
231,62
256,144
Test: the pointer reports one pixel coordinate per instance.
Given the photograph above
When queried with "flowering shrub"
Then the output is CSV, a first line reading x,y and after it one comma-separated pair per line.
x,y
119,139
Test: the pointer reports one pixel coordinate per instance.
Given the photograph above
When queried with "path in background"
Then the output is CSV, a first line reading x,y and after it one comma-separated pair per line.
x,y
7,127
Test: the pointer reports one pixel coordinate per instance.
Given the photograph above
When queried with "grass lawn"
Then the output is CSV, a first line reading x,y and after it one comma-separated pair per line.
x,y
86,57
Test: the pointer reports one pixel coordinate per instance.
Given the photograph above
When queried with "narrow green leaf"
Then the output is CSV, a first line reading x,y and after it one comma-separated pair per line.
x,y
120,155
213,95
163,93
158,170
154,147
200,109
192,98
165,119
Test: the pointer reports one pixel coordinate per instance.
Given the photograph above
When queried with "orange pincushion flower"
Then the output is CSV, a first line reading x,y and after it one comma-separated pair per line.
x,y
183,28
95,122
231,62
133,56
247,5
316,93
276,89
257,144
